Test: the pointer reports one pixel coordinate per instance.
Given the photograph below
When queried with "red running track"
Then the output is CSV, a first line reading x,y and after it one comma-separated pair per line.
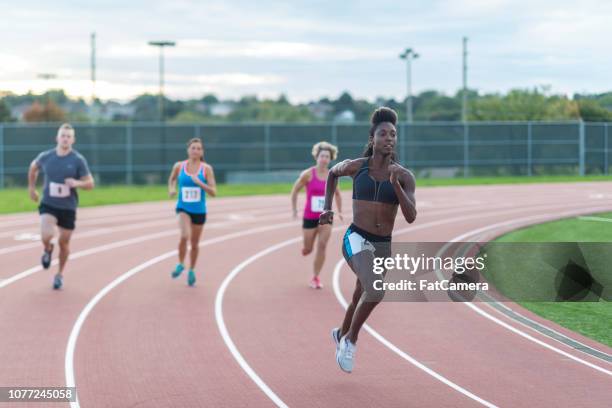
x,y
251,333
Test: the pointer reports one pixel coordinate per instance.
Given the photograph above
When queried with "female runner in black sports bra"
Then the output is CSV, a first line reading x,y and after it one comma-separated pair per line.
x,y
380,185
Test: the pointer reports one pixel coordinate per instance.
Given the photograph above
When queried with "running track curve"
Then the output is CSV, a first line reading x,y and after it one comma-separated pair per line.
x,y
251,333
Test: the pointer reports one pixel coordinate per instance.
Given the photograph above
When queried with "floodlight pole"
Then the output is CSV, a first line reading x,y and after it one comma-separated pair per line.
x,y
161,45
464,112
409,55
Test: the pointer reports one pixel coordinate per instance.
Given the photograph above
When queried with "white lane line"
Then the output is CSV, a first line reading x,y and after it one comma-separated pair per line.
x,y
167,220
390,345
100,217
107,247
223,328
137,240
131,220
398,351
69,362
94,233
72,340
74,334
87,252
504,324
242,362
600,219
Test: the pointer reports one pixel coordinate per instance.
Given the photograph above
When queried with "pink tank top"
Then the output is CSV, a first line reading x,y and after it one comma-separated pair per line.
x,y
315,197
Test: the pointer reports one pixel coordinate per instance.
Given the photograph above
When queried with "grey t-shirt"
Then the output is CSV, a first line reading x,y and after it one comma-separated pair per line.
x,y
56,168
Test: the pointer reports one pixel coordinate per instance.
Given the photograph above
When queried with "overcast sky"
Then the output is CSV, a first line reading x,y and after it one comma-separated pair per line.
x,y
308,49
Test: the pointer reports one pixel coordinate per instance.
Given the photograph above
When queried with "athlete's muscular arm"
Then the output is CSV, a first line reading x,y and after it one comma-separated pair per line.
x,y
86,182
172,179
338,202
32,176
344,168
211,184
299,184
403,183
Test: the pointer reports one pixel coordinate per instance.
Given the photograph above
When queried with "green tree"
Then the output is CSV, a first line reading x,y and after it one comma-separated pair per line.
x,y
592,111
209,99
269,111
522,105
5,112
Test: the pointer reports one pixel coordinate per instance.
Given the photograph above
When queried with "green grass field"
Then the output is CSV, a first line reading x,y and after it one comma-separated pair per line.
x,y
592,319
16,199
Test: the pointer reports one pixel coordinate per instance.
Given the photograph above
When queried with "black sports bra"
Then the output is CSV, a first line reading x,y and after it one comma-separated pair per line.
x,y
367,189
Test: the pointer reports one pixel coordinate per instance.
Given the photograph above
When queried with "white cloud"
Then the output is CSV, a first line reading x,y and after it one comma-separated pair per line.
x,y
12,64
207,48
305,50
135,83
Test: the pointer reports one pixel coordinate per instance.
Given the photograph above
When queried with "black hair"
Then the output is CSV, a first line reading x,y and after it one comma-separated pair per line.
x,y
380,115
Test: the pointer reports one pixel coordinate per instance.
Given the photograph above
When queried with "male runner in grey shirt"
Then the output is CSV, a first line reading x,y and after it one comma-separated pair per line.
x,y
65,170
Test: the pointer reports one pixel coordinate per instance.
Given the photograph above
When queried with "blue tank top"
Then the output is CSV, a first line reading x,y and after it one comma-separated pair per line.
x,y
191,197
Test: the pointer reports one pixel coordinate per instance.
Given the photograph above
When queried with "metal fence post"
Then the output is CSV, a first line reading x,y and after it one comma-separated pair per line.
x,y
334,134
129,173
196,131
403,141
466,149
529,150
1,156
267,147
606,149
581,148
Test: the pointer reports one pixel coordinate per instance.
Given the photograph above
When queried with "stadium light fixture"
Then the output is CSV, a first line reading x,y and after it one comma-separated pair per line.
x,y
409,55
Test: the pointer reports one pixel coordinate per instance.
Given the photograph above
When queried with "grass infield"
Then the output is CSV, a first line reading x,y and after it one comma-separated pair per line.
x,y
591,319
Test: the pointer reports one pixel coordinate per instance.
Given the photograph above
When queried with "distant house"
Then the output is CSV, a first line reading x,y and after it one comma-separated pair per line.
x,y
116,111
202,107
320,110
17,111
73,107
345,116
221,109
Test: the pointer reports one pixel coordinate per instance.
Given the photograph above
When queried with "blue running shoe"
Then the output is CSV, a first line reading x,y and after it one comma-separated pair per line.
x,y
46,258
191,279
345,355
58,281
177,271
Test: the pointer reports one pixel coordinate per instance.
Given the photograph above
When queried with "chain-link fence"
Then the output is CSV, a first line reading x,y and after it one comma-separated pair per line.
x,y
144,152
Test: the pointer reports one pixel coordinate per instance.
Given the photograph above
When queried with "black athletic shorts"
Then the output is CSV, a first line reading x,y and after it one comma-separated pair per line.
x,y
310,223
356,240
197,219
65,218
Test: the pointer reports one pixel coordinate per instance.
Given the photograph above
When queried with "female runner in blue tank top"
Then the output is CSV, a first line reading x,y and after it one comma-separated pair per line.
x,y
195,179
380,187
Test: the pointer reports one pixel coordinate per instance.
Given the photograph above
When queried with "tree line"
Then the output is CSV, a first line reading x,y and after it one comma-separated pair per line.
x,y
428,106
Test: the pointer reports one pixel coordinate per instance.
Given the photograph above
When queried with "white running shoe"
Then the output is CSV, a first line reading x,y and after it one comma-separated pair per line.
x,y
345,354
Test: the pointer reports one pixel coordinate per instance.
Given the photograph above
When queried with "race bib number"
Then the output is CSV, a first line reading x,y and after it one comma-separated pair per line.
x,y
317,203
58,190
191,194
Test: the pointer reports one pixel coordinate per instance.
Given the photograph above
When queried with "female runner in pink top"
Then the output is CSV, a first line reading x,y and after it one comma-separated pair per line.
x,y
314,179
